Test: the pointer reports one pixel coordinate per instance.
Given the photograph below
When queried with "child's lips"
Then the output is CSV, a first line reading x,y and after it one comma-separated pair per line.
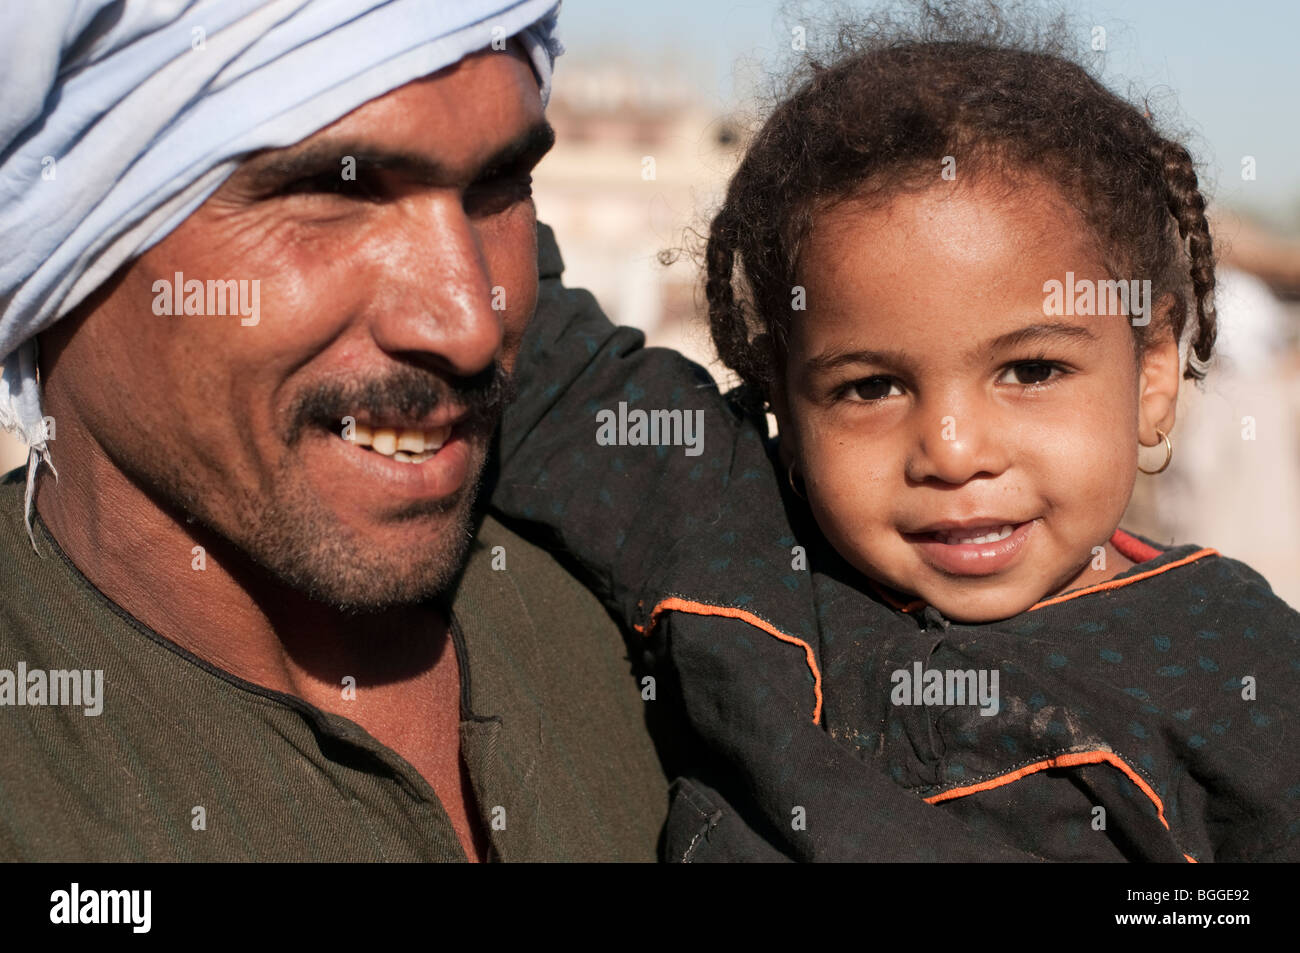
x,y
973,550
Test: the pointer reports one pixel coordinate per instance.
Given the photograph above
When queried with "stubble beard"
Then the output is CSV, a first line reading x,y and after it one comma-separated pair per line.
x,y
304,547
294,541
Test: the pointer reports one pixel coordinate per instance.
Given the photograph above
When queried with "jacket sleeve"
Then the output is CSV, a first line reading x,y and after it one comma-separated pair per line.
x,y
613,450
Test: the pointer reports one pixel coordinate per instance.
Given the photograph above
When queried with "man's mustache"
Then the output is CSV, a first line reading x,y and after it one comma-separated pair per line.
x,y
405,394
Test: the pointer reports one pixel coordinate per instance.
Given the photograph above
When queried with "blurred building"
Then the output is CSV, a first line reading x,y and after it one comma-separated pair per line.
x,y
638,164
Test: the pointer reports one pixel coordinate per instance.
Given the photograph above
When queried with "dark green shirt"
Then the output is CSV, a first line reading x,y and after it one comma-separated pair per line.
x,y
188,762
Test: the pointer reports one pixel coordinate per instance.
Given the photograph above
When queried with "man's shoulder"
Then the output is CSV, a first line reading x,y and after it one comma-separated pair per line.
x,y
26,575
528,569
13,487
541,612
548,662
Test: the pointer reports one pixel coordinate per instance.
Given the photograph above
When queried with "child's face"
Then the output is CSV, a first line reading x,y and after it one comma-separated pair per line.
x,y
929,402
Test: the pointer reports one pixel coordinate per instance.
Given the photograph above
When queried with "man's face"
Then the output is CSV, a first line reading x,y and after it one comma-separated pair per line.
x,y
394,259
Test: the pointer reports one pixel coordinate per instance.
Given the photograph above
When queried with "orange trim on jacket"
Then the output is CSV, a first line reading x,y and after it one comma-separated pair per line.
x,y
1132,547
1071,760
1128,580
677,604
1122,541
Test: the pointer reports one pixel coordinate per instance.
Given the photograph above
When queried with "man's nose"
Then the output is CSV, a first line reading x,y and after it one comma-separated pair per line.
x,y
957,440
438,309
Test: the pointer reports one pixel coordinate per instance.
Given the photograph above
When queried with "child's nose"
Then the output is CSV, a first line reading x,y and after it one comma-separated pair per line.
x,y
957,447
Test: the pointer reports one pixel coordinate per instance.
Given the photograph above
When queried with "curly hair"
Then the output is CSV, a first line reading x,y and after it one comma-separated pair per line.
x,y
882,112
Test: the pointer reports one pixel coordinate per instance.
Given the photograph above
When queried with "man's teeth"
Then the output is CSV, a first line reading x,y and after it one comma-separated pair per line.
x,y
983,535
403,445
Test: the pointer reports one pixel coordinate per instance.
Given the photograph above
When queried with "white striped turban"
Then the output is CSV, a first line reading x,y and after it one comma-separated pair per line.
x,y
119,117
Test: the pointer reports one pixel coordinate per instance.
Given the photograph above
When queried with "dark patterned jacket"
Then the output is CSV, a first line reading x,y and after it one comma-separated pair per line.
x,y
1151,717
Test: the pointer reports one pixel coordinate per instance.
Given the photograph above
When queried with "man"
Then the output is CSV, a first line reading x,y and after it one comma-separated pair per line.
x,y
277,257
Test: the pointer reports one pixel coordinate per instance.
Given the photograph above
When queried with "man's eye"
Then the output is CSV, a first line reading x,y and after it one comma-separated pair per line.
x,y
333,184
497,195
1027,373
874,388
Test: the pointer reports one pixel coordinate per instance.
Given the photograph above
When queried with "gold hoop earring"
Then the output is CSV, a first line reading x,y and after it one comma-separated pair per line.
x,y
789,473
1169,454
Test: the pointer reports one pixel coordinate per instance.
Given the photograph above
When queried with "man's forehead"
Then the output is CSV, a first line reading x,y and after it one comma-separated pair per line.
x,y
447,128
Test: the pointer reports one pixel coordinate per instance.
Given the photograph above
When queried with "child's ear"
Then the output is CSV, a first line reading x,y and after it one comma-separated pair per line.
x,y
1159,373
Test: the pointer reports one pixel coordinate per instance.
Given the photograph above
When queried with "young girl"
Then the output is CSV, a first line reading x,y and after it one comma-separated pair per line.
x,y
958,271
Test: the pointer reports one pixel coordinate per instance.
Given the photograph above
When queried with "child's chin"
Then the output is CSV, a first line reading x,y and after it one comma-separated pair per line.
x,y
972,608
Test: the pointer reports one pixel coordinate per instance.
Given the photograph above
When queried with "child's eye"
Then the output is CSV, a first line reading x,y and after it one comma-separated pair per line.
x,y
872,389
1028,373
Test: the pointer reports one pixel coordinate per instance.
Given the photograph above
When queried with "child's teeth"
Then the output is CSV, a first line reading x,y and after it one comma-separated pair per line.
x,y
953,539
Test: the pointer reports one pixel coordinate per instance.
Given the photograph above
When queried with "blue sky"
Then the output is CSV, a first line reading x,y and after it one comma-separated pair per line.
x,y
1233,67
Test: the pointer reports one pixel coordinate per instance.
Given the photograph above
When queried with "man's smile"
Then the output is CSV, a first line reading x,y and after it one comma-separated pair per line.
x,y
403,444
395,442
397,464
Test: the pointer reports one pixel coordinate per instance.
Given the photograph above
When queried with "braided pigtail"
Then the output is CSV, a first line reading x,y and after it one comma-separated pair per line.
x,y
1187,206
728,324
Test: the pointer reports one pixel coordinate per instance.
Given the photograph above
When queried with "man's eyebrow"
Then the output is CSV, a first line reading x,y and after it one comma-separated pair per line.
x,y
520,154
284,167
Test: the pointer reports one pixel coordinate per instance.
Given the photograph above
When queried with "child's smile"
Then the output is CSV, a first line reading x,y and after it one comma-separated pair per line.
x,y
956,442
978,547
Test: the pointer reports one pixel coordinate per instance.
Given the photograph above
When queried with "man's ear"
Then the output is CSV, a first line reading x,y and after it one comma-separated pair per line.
x,y
1159,373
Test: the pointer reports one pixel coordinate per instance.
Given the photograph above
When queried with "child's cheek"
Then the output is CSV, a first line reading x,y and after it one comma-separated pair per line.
x,y
1087,478
852,487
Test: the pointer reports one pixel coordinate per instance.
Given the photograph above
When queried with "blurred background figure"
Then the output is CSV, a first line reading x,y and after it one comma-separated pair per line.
x,y
652,105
